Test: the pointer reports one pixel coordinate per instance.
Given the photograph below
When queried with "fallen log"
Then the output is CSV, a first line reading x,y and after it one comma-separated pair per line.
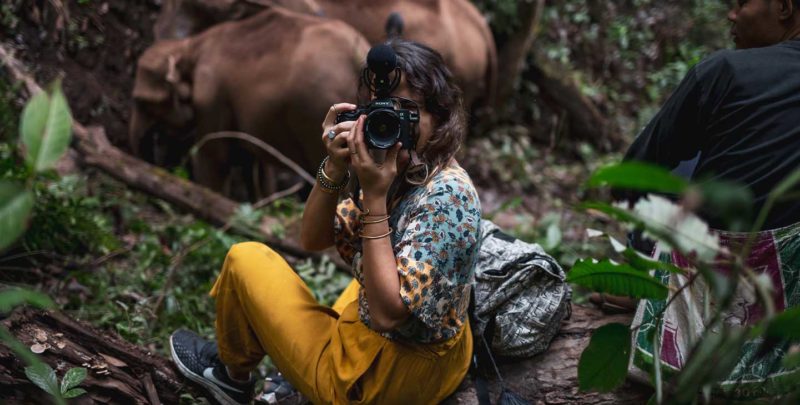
x,y
552,377
119,372
95,150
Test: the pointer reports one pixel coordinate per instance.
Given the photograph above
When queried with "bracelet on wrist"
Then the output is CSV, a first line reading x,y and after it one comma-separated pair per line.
x,y
367,213
362,236
375,221
327,184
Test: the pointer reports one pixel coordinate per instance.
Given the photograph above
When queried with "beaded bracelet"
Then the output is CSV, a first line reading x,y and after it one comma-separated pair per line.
x,y
326,183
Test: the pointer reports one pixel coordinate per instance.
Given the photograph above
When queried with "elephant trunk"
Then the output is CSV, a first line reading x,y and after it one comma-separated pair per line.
x,y
140,126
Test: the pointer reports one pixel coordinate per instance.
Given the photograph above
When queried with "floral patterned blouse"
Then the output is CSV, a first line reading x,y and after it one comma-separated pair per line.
x,y
436,242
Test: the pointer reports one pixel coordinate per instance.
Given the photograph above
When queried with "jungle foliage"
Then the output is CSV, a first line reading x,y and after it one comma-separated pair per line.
x,y
136,265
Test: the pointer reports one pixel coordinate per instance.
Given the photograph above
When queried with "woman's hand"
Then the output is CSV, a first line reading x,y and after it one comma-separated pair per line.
x,y
339,155
375,179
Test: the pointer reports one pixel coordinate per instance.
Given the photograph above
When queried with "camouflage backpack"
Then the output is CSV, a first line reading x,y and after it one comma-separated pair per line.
x,y
520,295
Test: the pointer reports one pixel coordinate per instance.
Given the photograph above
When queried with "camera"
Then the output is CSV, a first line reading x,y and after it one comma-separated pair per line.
x,y
388,120
386,123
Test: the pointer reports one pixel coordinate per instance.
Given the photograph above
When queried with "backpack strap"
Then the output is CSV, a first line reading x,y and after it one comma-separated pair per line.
x,y
476,369
480,352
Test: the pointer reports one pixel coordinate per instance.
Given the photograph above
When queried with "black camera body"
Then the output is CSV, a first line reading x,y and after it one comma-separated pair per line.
x,y
386,123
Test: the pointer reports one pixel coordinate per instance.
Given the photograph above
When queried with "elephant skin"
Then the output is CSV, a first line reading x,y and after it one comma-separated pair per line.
x,y
273,75
455,28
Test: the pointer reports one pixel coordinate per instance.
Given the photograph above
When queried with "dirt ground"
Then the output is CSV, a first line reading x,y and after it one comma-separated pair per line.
x,y
94,43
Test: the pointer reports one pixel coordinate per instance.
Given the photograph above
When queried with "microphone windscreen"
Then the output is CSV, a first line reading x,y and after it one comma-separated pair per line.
x,y
381,60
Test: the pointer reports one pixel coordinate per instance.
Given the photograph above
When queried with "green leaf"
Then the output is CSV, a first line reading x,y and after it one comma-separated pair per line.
x,y
620,214
604,363
644,263
617,279
75,392
553,237
640,261
785,325
72,379
637,176
16,204
9,299
46,128
44,377
32,125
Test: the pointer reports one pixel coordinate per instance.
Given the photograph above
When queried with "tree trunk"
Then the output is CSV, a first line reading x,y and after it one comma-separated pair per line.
x,y
512,53
584,121
552,377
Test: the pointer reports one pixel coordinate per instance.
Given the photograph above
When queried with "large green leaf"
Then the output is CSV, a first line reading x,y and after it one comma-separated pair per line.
x,y
16,204
604,363
617,279
72,379
637,176
46,128
44,377
15,297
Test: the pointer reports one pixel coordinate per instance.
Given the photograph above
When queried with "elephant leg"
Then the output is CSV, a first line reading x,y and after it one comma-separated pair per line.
x,y
263,180
211,165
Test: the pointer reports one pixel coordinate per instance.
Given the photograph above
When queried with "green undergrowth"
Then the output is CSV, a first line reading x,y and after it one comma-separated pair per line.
x,y
132,263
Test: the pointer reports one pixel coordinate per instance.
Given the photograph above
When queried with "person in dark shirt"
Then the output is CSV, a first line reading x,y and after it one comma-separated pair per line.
x,y
738,111
735,117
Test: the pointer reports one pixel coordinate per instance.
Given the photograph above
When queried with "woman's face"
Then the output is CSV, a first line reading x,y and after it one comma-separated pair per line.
x,y
424,127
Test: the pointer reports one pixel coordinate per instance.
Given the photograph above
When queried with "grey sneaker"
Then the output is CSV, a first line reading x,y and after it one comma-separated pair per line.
x,y
279,391
198,360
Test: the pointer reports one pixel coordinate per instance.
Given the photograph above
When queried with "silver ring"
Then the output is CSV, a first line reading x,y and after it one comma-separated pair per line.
x,y
331,134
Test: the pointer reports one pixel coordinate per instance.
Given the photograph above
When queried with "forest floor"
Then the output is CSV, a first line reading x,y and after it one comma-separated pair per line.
x,y
115,266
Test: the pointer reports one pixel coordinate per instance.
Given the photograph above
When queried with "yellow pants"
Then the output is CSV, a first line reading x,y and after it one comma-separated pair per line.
x,y
328,354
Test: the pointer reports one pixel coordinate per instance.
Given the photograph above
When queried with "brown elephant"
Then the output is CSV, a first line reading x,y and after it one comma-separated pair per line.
x,y
455,28
272,75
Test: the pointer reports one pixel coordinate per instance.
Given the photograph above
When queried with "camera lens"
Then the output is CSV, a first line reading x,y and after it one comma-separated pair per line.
x,y
382,128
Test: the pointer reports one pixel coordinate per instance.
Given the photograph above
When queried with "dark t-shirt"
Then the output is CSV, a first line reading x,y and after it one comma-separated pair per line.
x,y
741,111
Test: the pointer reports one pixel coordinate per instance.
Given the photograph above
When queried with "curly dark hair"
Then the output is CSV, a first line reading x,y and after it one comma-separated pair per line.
x,y
426,74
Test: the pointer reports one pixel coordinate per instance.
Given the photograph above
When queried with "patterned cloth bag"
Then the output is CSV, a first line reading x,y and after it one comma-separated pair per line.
x,y
520,294
775,253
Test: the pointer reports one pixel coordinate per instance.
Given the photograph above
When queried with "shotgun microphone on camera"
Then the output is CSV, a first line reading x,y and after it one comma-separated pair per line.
x,y
382,61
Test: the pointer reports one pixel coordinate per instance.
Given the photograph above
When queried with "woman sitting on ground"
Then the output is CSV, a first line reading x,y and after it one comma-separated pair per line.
x,y
399,332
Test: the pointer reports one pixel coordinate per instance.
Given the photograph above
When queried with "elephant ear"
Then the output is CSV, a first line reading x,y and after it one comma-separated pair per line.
x,y
157,73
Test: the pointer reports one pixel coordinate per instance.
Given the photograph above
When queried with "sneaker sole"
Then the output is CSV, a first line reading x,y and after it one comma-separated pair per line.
x,y
215,391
